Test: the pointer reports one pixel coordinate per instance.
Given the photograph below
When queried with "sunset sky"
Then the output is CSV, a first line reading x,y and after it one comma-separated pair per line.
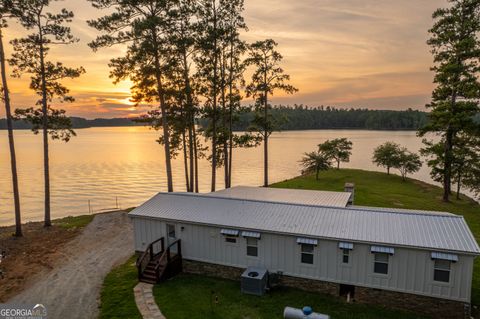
x,y
349,53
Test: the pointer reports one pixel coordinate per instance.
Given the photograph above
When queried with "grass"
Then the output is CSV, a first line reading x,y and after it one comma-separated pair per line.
x,y
193,297
380,189
73,221
117,298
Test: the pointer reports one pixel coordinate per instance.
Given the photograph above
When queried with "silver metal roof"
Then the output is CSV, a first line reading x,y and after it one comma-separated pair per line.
x,y
281,195
368,225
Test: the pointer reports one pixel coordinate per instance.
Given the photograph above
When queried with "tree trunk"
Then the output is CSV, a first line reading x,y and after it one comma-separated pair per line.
x,y
214,101
265,137
448,166
338,164
195,150
11,143
190,116
388,170
46,165
224,121
163,107
185,162
459,185
230,117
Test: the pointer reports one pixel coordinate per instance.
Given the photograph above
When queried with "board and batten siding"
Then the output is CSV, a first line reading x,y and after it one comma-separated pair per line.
x,y
410,270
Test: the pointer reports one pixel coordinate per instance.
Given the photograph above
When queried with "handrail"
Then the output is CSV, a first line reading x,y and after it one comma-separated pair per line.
x,y
148,252
166,253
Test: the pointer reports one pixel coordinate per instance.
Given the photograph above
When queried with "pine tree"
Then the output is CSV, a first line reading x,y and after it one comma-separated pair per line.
x,y
141,25
30,56
6,9
267,78
456,50
211,32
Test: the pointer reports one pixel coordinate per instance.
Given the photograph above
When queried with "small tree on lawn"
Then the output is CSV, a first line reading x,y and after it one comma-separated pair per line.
x,y
315,162
408,162
338,149
386,155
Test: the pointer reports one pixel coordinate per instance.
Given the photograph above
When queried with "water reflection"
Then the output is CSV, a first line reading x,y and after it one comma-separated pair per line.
x,y
103,165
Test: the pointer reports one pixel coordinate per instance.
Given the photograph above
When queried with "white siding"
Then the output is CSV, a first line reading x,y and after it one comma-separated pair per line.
x,y
410,270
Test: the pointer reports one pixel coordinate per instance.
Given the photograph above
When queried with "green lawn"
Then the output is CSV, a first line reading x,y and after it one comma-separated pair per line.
x,y
380,189
73,221
189,296
193,297
117,299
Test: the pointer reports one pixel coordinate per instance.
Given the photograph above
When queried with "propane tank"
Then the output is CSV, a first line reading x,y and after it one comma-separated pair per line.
x,y
305,313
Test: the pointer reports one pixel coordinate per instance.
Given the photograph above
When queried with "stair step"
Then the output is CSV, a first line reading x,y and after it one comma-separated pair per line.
x,y
148,281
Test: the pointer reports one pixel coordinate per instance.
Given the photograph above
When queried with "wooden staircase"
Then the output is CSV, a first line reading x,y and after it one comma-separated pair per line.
x,y
157,264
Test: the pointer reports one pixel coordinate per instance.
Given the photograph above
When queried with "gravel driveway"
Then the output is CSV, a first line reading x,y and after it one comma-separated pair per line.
x,y
72,289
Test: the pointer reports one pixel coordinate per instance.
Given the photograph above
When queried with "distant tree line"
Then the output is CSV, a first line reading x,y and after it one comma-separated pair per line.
x,y
297,117
78,122
300,117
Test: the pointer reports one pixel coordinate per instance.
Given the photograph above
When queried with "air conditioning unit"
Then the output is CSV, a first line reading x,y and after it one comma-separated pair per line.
x,y
254,281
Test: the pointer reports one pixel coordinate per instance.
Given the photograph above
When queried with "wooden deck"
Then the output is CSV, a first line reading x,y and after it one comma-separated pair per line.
x,y
158,263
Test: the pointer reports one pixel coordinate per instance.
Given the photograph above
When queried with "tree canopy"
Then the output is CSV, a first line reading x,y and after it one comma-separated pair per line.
x,y
338,149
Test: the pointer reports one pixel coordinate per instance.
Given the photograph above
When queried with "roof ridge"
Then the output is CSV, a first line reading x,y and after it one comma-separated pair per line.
x,y
363,209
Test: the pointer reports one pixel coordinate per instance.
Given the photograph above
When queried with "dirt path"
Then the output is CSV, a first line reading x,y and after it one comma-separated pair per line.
x,y
72,289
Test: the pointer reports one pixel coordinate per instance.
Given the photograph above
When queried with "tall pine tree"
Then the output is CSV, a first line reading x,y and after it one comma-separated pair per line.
x,y
141,24
30,56
7,7
456,50
267,78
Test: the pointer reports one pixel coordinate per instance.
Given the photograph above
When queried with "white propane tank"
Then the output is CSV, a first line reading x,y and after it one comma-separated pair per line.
x,y
305,313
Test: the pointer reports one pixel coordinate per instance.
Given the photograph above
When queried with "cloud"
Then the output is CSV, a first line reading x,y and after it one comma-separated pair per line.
x,y
351,52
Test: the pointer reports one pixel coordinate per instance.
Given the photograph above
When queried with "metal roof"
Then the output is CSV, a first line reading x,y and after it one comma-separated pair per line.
x,y
368,225
281,195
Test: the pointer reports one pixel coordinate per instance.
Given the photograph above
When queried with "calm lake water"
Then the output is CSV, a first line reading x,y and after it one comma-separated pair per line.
x,y
125,165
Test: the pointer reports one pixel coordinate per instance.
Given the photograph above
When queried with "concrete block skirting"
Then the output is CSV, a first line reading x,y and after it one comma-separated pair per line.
x,y
423,305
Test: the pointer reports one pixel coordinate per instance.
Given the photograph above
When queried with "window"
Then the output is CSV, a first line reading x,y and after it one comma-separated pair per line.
x,y
441,270
346,255
230,239
171,231
381,263
252,247
307,253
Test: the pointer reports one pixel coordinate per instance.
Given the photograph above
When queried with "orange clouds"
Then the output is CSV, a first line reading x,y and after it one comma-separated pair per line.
x,y
365,53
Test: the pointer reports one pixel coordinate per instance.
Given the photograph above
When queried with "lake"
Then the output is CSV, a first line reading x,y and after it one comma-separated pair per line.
x,y
105,168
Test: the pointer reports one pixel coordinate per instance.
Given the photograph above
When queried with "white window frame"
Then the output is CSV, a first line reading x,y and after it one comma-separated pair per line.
x,y
169,231
251,242
231,239
375,262
346,253
307,253
444,269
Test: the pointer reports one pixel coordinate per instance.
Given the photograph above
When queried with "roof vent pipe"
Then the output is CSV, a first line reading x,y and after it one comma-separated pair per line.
x,y
350,188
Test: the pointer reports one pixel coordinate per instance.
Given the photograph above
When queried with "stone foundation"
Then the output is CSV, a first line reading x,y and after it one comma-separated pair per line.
x,y
423,305
212,270
434,307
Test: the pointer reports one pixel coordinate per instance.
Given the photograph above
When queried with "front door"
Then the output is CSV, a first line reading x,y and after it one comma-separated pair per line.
x,y
171,237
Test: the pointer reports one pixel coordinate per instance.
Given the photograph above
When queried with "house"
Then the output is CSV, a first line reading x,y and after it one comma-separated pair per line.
x,y
406,259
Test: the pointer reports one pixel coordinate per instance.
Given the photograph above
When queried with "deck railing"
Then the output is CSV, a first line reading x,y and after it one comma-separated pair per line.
x,y
172,263
168,263
153,250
